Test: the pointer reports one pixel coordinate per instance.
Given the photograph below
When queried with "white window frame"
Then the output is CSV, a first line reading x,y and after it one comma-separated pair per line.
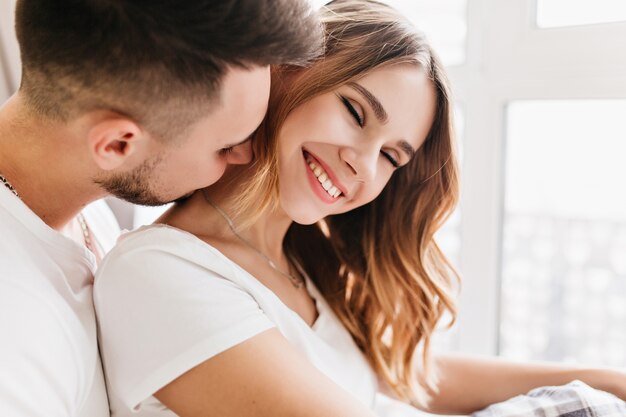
x,y
509,58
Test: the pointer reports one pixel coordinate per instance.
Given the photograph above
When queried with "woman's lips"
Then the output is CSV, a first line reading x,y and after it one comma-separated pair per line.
x,y
328,170
320,183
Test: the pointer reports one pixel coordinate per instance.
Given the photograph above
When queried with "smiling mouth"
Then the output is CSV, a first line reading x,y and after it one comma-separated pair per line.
x,y
322,176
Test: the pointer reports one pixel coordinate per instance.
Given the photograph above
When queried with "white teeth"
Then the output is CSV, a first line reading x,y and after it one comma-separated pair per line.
x,y
322,177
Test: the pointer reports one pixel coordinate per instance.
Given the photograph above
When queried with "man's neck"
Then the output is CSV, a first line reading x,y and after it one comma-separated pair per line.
x,y
46,165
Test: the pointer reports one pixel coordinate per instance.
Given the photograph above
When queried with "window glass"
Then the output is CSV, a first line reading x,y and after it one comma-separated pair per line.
x,y
563,294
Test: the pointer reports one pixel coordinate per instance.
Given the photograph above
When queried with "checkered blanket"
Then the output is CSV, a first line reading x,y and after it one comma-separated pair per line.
x,y
572,400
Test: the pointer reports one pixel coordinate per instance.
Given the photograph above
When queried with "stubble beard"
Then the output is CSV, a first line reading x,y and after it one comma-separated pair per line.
x,y
135,186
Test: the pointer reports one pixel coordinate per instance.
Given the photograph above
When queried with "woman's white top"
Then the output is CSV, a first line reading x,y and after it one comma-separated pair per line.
x,y
49,362
167,301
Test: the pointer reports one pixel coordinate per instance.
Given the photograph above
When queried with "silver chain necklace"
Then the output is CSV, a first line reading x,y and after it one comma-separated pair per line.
x,y
81,219
9,186
296,282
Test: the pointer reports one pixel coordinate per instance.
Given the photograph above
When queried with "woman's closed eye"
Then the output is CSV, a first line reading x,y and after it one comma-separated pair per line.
x,y
391,158
226,151
358,117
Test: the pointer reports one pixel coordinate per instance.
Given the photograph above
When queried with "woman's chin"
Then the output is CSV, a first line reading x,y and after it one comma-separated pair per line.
x,y
302,215
300,210
306,220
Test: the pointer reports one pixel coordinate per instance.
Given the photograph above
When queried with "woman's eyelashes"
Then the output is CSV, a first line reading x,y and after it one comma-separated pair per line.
x,y
350,107
391,159
230,149
226,151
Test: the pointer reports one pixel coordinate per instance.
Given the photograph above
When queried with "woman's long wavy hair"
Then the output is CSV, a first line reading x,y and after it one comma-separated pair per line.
x,y
378,266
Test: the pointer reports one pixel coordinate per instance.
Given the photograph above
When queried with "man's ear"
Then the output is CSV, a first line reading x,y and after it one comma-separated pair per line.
x,y
113,141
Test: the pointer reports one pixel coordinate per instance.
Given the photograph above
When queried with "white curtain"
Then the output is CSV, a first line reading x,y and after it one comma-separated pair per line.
x,y
9,51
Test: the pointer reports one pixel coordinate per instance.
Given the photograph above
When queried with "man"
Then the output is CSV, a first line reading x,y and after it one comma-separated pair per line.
x,y
146,101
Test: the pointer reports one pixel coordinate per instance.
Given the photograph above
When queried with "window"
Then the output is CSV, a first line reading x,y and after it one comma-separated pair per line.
x,y
542,241
564,232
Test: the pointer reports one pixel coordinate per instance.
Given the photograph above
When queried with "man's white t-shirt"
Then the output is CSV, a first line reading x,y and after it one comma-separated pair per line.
x,y
167,301
49,361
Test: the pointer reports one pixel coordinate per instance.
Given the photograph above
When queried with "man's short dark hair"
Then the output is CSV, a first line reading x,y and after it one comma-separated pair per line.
x,y
143,57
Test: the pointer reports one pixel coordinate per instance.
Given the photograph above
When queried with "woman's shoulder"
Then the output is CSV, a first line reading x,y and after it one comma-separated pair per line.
x,y
166,236
157,240
161,252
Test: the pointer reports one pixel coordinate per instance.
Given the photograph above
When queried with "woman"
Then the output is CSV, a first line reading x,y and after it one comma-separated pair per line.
x,y
310,284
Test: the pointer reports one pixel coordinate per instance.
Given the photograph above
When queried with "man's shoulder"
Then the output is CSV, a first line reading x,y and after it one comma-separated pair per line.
x,y
34,307
45,293
42,355
24,256
21,252
27,308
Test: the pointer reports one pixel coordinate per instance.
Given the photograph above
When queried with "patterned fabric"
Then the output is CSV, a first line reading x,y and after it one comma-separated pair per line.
x,y
575,399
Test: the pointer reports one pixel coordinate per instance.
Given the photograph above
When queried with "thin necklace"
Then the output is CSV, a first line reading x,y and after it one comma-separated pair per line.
x,y
81,219
86,232
296,282
9,186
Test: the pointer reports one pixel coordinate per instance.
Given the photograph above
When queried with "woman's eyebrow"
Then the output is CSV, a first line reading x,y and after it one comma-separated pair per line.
x,y
374,103
406,148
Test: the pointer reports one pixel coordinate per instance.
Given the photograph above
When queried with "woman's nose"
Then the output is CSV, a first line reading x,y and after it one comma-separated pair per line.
x,y
362,162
